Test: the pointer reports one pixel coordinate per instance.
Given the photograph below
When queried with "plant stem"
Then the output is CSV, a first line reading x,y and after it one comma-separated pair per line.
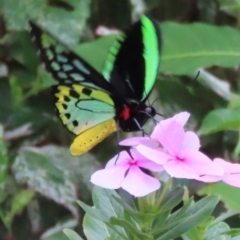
x,y
164,192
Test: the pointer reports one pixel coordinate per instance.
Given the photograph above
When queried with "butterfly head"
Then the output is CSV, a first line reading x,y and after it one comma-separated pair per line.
x,y
133,115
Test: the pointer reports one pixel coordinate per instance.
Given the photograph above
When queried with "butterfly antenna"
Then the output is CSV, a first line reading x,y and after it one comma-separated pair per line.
x,y
154,120
154,101
147,98
198,73
161,115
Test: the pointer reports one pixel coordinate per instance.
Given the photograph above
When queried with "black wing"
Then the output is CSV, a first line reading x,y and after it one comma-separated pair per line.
x,y
133,61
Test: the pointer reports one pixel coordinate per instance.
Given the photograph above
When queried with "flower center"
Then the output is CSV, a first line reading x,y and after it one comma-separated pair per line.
x,y
180,157
132,162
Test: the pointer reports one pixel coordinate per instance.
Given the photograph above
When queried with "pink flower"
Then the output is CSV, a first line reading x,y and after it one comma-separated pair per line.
x,y
231,173
181,118
179,153
152,141
126,172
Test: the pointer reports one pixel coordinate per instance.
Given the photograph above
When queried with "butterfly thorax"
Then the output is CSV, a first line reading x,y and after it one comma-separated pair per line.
x,y
133,115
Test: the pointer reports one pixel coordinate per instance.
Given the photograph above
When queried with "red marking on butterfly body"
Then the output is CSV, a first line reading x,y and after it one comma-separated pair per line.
x,y
125,114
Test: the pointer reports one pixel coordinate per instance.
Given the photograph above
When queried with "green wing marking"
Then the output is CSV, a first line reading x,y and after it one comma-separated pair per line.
x,y
64,65
151,53
133,60
113,51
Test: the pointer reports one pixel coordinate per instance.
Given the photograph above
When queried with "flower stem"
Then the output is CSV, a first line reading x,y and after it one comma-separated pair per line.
x,y
164,192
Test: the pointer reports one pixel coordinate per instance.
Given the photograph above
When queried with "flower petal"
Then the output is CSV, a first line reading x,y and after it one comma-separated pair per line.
x,y
155,155
152,166
109,178
191,140
133,141
121,158
209,178
232,172
232,179
138,183
200,163
171,136
144,162
228,167
179,169
182,117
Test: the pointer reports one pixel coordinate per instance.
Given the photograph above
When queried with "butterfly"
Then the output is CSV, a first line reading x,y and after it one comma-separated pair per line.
x,y
93,105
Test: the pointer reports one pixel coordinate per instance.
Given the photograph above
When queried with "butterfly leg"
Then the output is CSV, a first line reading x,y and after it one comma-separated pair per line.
x,y
139,127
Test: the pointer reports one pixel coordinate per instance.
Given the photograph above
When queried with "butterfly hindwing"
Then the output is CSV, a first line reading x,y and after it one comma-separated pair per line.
x,y
81,108
134,58
88,139
82,98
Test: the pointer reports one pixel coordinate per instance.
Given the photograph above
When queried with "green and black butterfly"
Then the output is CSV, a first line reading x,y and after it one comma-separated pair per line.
x,y
93,105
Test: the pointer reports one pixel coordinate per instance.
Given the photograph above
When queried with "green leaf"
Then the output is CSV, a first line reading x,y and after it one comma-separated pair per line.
x,y
234,100
97,219
20,201
55,232
93,212
194,233
196,214
130,228
198,45
95,52
72,235
34,167
230,7
3,165
220,119
183,101
172,199
178,214
65,22
95,229
56,236
23,51
229,195
160,219
234,232
216,230
225,216
43,81
103,199
77,169
16,92
135,214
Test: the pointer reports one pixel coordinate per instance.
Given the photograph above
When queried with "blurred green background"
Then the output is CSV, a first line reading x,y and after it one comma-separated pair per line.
x,y
39,179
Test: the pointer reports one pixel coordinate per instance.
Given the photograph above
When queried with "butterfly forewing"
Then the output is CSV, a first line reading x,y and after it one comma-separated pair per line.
x,y
134,58
64,65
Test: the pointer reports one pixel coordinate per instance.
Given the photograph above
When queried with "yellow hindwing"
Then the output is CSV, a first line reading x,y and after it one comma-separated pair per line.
x,y
91,137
